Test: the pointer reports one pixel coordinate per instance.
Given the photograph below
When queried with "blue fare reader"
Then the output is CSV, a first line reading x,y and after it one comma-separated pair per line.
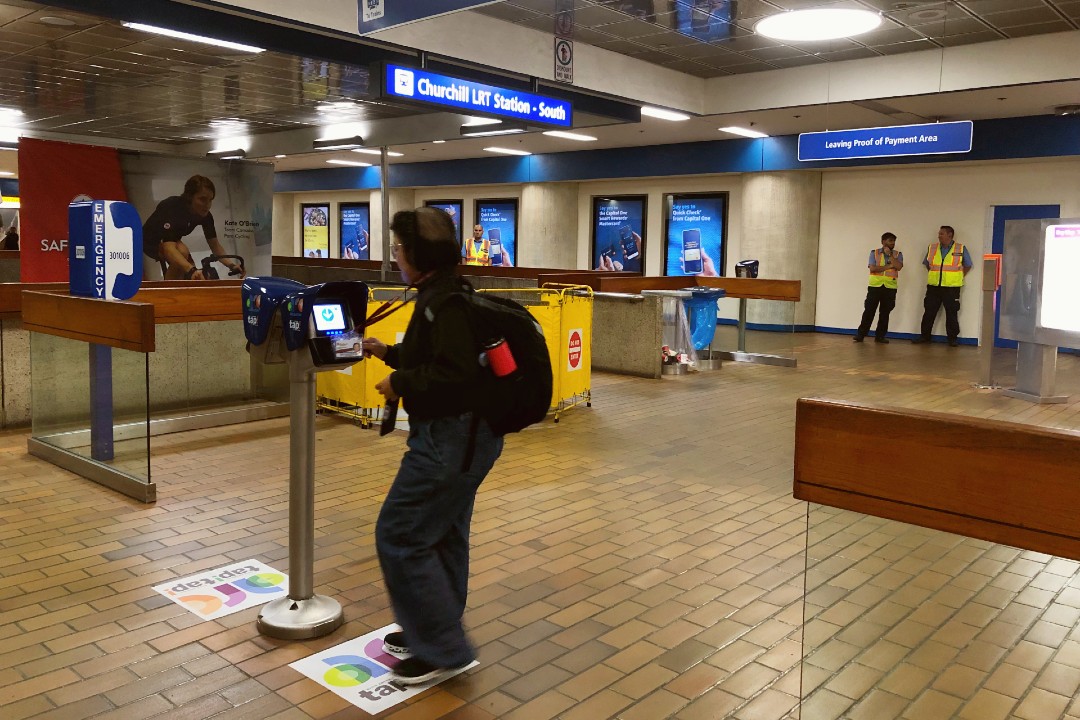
x,y
326,319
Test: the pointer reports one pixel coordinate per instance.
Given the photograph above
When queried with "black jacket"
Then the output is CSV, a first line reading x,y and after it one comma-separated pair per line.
x,y
436,364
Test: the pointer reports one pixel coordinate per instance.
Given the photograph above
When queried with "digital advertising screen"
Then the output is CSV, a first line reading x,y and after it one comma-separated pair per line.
x,y
618,233
1060,291
498,246
315,229
453,208
355,231
695,228
707,20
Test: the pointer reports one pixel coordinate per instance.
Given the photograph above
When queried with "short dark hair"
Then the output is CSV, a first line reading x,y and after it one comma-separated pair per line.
x,y
887,236
427,238
195,183
948,229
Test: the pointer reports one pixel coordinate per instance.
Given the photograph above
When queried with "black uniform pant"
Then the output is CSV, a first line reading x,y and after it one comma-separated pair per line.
x,y
936,296
882,298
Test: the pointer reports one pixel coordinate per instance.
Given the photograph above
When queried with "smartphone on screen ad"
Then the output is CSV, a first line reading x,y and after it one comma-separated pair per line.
x,y
691,252
495,246
629,245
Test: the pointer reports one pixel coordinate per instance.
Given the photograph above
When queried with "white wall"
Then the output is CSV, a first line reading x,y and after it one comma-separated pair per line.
x,y
857,206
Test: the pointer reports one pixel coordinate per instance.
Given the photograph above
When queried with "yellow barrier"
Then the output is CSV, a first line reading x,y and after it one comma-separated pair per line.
x,y
563,311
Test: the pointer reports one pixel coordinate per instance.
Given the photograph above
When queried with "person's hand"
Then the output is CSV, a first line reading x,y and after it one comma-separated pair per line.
x,y
197,275
616,266
384,388
606,263
374,346
236,268
708,267
506,261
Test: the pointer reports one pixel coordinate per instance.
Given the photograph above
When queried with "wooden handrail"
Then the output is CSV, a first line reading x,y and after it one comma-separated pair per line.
x,y
120,324
175,301
1002,482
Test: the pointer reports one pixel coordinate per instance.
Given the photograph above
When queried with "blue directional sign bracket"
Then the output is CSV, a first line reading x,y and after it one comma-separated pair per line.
x,y
385,14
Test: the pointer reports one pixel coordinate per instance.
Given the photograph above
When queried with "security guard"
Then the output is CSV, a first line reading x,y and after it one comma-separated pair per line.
x,y
478,249
948,263
885,265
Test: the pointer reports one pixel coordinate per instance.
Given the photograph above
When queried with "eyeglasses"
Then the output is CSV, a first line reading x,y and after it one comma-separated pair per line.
x,y
396,248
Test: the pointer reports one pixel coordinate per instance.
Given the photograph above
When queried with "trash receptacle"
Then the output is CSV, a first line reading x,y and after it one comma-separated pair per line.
x,y
701,310
746,268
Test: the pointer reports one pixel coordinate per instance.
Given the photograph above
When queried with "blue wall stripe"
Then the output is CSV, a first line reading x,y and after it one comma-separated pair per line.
x,y
1009,138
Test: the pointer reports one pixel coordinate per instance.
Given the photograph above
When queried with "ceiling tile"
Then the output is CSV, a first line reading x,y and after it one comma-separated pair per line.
x,y
1029,16
1039,29
630,29
955,40
506,11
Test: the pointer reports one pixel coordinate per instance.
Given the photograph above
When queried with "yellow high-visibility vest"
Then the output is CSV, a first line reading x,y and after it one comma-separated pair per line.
x,y
946,271
474,256
883,275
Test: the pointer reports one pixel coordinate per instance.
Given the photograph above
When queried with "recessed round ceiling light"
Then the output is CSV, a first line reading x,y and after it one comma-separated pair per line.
x,y
820,24
927,15
56,21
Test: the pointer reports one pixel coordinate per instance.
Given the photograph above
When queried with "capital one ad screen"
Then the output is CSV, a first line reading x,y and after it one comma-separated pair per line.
x,y
356,231
451,208
619,233
695,235
315,229
499,220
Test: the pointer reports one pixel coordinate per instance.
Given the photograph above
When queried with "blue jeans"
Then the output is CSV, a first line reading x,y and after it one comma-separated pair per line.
x,y
422,535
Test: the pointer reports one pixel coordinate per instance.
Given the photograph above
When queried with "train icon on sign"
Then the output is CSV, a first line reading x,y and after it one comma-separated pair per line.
x,y
403,82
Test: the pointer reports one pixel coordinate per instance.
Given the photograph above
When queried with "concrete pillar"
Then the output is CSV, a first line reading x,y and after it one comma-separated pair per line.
x,y
548,226
400,199
781,216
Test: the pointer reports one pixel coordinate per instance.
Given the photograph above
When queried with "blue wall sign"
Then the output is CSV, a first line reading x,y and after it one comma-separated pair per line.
x,y
105,249
930,139
381,14
433,89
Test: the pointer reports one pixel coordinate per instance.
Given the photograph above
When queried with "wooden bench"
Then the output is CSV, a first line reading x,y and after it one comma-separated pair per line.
x,y
1003,482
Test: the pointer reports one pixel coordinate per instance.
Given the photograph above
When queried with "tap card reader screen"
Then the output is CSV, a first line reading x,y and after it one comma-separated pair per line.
x,y
329,318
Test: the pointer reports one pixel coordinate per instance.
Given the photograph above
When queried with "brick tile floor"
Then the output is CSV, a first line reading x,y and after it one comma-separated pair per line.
x,y
642,559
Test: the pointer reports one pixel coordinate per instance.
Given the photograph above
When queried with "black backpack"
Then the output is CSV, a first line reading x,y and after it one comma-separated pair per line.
x,y
523,397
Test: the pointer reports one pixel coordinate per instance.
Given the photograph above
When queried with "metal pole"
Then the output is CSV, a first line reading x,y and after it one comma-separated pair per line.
x,y
301,487
302,614
986,339
742,324
384,196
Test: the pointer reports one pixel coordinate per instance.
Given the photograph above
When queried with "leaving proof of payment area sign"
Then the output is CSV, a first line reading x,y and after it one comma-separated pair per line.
x,y
931,139
430,88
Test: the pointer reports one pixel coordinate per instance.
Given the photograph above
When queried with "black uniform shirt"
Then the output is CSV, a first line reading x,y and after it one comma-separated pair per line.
x,y
173,220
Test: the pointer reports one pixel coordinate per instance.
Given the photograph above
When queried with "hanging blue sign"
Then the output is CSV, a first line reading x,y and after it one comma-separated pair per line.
x,y
430,88
105,249
931,139
382,14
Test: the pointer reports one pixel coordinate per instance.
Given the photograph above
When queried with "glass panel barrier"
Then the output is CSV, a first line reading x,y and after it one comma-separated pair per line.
x,y
73,384
769,329
902,621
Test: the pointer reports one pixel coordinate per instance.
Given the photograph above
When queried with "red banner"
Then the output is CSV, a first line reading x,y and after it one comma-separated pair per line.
x,y
51,176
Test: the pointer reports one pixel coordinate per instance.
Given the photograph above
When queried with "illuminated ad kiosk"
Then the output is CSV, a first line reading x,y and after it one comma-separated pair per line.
x,y
1039,301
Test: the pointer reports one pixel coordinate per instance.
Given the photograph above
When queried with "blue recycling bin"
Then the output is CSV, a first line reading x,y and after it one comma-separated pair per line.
x,y
701,311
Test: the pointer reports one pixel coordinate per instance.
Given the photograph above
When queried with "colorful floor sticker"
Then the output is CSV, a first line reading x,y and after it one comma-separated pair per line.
x,y
359,671
221,592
